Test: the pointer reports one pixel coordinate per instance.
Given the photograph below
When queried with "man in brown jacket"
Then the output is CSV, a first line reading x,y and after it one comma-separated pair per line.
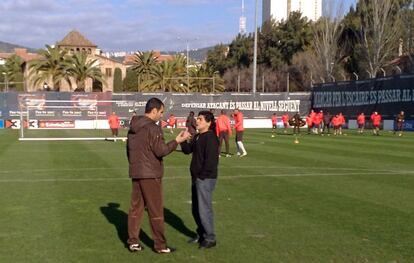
x,y
145,149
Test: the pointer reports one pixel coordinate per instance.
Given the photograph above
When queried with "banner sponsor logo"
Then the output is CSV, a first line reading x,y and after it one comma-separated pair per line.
x,y
12,124
71,113
32,101
97,113
407,126
44,113
1,124
56,124
32,124
13,113
84,101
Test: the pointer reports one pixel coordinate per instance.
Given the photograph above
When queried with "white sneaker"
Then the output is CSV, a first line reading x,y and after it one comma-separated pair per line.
x,y
135,247
166,250
244,154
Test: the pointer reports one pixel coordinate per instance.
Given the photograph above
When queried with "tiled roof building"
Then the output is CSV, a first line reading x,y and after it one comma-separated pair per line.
x,y
73,42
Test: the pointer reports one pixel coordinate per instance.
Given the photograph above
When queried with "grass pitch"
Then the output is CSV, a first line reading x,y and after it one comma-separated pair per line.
x,y
326,199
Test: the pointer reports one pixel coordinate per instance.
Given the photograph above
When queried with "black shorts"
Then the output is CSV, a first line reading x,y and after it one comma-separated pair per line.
x,y
360,125
274,126
239,136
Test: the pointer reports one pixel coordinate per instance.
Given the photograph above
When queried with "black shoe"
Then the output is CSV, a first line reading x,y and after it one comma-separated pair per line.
x,y
166,250
207,244
194,240
135,247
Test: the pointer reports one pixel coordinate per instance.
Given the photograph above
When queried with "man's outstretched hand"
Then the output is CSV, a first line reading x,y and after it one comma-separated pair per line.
x,y
183,136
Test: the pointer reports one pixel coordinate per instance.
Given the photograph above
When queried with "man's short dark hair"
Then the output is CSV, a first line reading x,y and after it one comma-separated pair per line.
x,y
153,103
209,117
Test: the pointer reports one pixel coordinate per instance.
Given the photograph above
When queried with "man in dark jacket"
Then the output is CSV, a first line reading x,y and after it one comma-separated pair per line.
x,y
145,149
190,123
204,147
326,122
399,121
297,122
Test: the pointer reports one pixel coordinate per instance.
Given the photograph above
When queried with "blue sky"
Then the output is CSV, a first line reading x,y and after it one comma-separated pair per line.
x,y
129,25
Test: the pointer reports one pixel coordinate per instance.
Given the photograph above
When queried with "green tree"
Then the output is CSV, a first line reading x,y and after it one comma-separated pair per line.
x,y
14,72
349,40
168,76
51,66
2,76
117,80
130,82
81,68
206,80
145,64
295,35
240,52
269,45
217,58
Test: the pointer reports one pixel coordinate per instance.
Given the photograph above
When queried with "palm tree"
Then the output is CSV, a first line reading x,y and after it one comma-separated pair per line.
x,y
169,76
205,80
161,78
14,71
51,65
81,69
145,64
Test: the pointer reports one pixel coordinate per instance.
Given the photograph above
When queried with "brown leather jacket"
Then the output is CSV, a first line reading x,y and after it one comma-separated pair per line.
x,y
146,148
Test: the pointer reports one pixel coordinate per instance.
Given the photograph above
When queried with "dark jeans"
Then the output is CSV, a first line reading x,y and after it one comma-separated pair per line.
x,y
202,207
326,127
296,129
399,126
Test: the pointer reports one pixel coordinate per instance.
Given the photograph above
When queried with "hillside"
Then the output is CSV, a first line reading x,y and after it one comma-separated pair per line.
x,y
8,47
198,55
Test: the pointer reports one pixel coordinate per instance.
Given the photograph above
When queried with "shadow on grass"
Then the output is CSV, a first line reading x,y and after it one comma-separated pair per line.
x,y
177,223
119,219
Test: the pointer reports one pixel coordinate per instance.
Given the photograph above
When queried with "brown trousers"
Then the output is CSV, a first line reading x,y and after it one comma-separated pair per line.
x,y
147,193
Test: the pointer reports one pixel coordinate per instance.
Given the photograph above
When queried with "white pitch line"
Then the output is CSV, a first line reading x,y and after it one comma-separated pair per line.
x,y
230,177
187,167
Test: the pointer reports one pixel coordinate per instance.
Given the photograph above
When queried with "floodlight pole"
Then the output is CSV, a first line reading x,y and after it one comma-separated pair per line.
x,y
255,49
188,75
